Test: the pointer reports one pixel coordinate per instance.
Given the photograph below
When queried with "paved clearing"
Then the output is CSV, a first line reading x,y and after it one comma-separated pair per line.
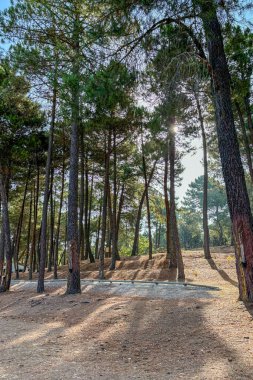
x,y
130,331
156,290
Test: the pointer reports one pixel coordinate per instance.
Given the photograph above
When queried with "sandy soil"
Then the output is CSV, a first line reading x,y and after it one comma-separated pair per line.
x,y
106,333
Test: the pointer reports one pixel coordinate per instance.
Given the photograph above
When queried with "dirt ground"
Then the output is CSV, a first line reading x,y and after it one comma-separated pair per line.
x,y
140,333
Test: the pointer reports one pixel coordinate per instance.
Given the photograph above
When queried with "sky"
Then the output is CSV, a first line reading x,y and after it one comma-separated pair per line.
x,y
4,4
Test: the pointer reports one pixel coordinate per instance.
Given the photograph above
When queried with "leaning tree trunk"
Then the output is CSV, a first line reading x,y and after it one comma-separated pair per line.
x,y
205,181
5,280
237,195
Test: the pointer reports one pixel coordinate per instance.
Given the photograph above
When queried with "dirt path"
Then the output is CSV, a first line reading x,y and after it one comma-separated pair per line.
x,y
130,331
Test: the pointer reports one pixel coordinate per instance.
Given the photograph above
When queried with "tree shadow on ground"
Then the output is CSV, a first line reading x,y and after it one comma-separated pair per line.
x,y
119,337
222,273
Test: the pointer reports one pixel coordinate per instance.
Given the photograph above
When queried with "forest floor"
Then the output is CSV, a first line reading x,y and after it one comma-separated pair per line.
x,y
145,331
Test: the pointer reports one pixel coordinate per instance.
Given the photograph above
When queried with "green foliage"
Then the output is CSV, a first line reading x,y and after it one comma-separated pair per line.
x,y
21,119
190,215
110,88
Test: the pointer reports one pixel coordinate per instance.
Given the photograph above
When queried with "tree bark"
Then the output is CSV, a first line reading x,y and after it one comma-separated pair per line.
x,y
237,196
1,246
5,280
180,263
173,261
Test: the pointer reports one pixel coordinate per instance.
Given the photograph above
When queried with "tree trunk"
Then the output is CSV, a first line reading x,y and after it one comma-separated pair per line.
x,y
109,224
90,209
176,250
57,235
5,280
104,209
138,218
74,282
98,230
88,252
159,236
32,262
237,196
81,197
167,207
28,234
121,202
43,241
205,182
147,201
19,228
114,205
180,263
1,246
51,227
